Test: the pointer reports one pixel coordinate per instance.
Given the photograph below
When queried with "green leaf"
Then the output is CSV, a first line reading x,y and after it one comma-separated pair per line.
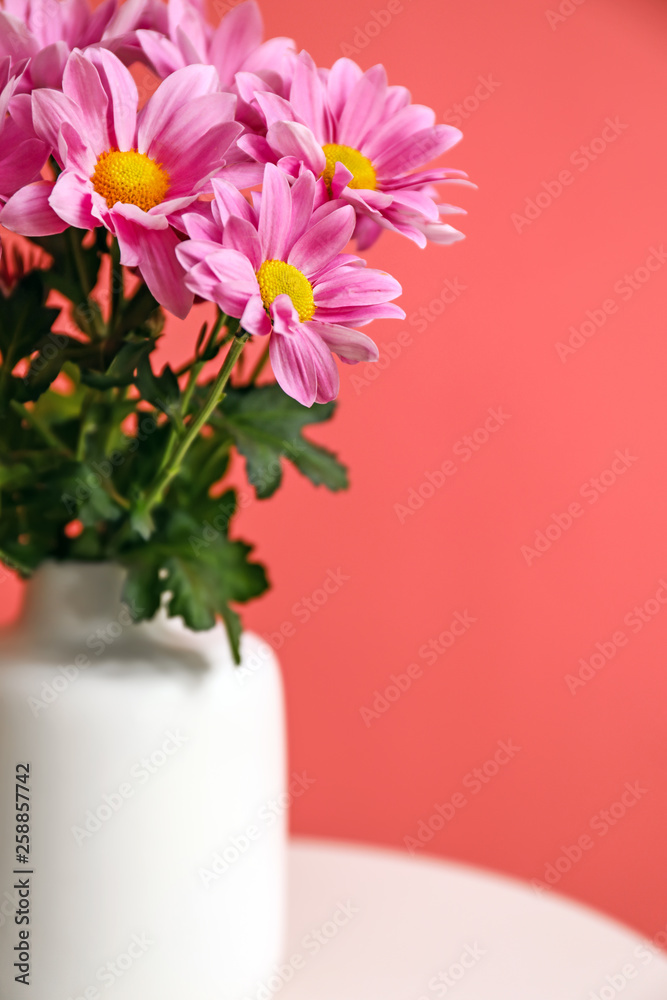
x,y
191,597
143,589
142,522
140,310
267,426
234,627
83,495
320,466
58,407
163,390
24,319
198,566
122,367
63,274
45,366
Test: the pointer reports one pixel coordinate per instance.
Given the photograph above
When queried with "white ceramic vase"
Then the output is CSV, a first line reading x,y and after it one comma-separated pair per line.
x,y
154,772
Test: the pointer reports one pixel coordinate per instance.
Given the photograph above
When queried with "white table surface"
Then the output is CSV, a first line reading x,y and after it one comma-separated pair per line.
x,y
370,924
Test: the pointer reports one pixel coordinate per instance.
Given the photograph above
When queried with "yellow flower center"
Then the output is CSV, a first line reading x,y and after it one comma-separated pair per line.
x,y
130,177
361,168
276,278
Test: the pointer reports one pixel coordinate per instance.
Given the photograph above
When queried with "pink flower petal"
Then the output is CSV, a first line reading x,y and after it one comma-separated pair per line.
x,y
171,206
82,84
294,139
201,280
189,29
228,202
351,346
20,106
174,93
418,179
358,287
192,146
275,53
397,99
415,118
50,108
15,38
441,233
143,220
98,21
162,272
323,241
257,147
341,178
275,213
360,315
365,200
255,319
197,222
275,108
343,77
417,149
307,99
303,196
247,84
415,203
28,211
135,14
162,54
48,65
241,235
242,174
72,200
363,108
77,153
367,232
238,35
21,164
291,358
232,269
326,372
122,95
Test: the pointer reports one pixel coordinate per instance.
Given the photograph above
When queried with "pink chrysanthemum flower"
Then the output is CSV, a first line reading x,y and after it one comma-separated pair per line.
x,y
278,267
22,154
366,142
236,44
129,172
183,37
39,35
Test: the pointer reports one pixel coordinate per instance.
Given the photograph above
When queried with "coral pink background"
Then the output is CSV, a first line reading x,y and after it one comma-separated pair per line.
x,y
521,287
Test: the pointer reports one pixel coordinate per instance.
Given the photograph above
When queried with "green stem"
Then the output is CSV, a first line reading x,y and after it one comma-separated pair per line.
x,y
86,288
190,387
257,370
6,369
14,564
79,261
117,293
194,369
41,428
109,488
83,429
216,394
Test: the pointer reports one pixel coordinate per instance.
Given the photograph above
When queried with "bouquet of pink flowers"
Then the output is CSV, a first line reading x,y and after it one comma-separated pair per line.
x,y
236,173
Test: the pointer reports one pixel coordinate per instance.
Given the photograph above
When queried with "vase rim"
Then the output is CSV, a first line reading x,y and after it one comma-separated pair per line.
x,y
71,597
